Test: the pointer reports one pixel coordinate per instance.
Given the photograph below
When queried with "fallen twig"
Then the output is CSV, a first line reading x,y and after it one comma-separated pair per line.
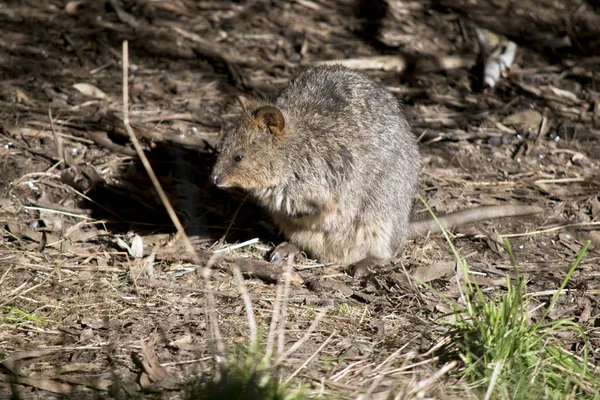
x,y
146,163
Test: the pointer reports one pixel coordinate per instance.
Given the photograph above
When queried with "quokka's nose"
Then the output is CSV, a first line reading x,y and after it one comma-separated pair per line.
x,y
216,178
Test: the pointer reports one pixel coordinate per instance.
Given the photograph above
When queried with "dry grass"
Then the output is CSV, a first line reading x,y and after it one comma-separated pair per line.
x,y
97,292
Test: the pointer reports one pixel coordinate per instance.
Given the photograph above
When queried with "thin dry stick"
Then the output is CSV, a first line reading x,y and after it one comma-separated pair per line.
x,y
362,317
559,180
57,140
55,269
234,217
237,246
309,359
49,210
32,175
552,292
556,228
10,267
211,314
274,320
495,375
391,357
405,365
429,381
144,159
374,385
302,340
349,368
15,290
409,367
249,312
53,167
286,294
15,237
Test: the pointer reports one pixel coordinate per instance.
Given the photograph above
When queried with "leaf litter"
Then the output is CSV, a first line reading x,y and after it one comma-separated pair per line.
x,y
87,246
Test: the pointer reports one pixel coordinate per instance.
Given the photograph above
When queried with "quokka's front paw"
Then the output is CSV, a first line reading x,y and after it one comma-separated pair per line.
x,y
283,250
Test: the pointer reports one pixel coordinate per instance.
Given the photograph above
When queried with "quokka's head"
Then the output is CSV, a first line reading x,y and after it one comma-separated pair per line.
x,y
249,150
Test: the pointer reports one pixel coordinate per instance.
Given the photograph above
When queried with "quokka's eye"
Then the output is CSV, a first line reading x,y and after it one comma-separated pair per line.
x,y
238,158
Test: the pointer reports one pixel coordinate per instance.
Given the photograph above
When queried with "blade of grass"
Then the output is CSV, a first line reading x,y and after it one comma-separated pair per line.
x,y
564,282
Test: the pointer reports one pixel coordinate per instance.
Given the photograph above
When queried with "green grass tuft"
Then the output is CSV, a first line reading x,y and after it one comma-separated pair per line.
x,y
244,379
504,354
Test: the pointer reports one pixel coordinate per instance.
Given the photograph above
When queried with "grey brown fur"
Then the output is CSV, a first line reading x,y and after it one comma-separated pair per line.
x,y
334,161
340,177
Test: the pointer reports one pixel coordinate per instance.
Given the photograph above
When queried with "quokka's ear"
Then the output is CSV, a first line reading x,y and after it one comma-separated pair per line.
x,y
245,103
270,118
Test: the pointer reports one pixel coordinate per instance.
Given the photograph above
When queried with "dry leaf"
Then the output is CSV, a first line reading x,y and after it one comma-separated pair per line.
x,y
586,312
72,6
187,342
22,97
530,119
564,93
495,243
428,273
49,385
20,231
595,208
149,263
14,363
156,373
52,221
593,237
89,90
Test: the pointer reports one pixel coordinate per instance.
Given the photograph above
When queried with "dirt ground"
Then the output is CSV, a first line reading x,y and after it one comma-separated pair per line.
x,y
96,296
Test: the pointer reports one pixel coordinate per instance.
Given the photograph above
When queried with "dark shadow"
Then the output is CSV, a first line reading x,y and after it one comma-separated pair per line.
x,y
203,209
371,15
